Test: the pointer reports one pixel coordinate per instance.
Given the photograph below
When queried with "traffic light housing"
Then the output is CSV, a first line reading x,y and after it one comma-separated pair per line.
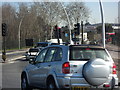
x,y
77,28
57,32
4,29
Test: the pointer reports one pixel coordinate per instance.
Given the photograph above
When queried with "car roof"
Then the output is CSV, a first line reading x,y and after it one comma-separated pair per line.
x,y
88,46
42,42
80,46
33,50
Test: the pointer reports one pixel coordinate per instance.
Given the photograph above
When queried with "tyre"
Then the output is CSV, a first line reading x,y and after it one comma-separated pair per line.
x,y
51,85
24,83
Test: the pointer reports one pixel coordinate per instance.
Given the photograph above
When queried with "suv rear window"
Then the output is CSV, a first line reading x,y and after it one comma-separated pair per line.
x,y
42,44
84,54
33,50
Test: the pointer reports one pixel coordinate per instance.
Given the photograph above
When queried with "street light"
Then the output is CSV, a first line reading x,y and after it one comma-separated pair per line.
x,y
67,20
19,33
103,24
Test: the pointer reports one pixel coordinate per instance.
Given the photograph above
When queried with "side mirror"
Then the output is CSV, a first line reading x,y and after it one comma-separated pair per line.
x,y
32,61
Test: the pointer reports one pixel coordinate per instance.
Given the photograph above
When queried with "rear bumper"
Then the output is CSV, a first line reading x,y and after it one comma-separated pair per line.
x,y
69,82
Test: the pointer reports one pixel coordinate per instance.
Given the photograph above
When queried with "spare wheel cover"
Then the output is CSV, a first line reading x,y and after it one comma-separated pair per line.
x,y
96,72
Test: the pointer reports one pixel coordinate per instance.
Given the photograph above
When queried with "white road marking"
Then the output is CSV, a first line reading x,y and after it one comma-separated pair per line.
x,y
14,52
15,58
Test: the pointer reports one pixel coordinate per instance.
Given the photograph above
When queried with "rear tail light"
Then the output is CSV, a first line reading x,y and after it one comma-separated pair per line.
x,y
66,68
114,69
106,85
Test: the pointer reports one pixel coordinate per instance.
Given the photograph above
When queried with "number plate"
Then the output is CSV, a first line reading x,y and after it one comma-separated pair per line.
x,y
80,88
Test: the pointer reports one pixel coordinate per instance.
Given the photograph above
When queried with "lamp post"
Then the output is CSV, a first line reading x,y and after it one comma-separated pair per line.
x,y
68,21
103,24
19,33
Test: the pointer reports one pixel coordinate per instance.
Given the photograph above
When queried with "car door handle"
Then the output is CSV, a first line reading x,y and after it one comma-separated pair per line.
x,y
49,65
38,67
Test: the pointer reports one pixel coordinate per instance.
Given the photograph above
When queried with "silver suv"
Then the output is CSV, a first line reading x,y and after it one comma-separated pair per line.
x,y
73,66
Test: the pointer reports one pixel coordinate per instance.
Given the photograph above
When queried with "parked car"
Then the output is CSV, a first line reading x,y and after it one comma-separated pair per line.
x,y
32,53
73,66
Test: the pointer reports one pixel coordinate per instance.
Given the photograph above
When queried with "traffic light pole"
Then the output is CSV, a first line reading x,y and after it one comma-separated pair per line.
x,y
82,32
57,33
4,49
58,36
4,30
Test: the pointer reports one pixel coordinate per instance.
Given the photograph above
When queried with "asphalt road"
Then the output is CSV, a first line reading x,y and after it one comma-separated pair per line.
x,y
11,73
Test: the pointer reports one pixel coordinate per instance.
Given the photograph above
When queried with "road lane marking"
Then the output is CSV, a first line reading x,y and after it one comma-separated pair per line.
x,y
14,52
15,58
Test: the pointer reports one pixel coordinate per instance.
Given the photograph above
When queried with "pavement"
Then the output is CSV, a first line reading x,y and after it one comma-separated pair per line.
x,y
17,54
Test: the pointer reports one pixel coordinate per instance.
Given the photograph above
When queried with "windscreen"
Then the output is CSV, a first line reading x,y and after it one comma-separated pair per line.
x,y
84,54
33,50
42,44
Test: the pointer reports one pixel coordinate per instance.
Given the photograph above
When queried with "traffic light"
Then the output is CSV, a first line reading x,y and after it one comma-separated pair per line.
x,y
57,32
77,28
4,29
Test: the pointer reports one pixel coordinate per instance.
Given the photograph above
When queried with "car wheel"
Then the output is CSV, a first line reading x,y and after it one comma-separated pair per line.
x,y
24,83
51,85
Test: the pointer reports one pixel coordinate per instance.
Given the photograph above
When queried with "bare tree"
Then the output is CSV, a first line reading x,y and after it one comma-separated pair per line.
x,y
77,11
37,20
9,17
